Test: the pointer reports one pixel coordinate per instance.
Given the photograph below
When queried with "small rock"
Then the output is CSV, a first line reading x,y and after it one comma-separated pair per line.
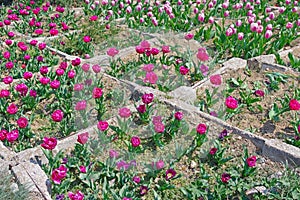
x,y
261,160
254,64
193,164
277,175
257,189
235,63
268,127
274,66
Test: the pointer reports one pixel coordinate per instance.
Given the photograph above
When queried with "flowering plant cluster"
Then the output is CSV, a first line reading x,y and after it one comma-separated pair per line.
x,y
40,86
39,19
141,150
161,68
244,96
80,174
257,32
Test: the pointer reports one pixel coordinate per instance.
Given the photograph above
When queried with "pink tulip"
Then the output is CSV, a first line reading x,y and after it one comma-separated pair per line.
x,y
112,52
268,34
12,136
124,112
76,196
231,103
240,36
135,141
151,78
102,125
57,116
202,54
49,143
22,122
201,129
83,138
58,174
12,109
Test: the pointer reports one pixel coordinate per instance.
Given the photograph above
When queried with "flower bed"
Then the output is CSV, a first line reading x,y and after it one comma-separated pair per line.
x,y
44,97
255,99
103,166
97,137
87,43
160,66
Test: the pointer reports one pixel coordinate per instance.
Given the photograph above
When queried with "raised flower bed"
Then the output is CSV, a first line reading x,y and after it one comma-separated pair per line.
x,y
77,128
260,98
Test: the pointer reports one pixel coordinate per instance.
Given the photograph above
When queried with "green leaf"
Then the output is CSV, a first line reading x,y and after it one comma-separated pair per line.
x,y
184,191
115,128
296,194
291,57
156,196
193,132
184,127
234,81
273,112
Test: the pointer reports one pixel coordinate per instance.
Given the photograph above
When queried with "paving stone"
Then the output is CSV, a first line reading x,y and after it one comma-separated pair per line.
x,y
281,152
39,178
5,153
46,39
99,60
285,52
34,155
70,141
184,93
14,187
194,111
255,63
4,165
24,179
66,56
274,66
138,91
233,63
105,59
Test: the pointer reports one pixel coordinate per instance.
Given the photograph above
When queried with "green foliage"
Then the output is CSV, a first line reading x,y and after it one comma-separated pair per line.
x,y
275,78
294,62
285,186
66,3
8,193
